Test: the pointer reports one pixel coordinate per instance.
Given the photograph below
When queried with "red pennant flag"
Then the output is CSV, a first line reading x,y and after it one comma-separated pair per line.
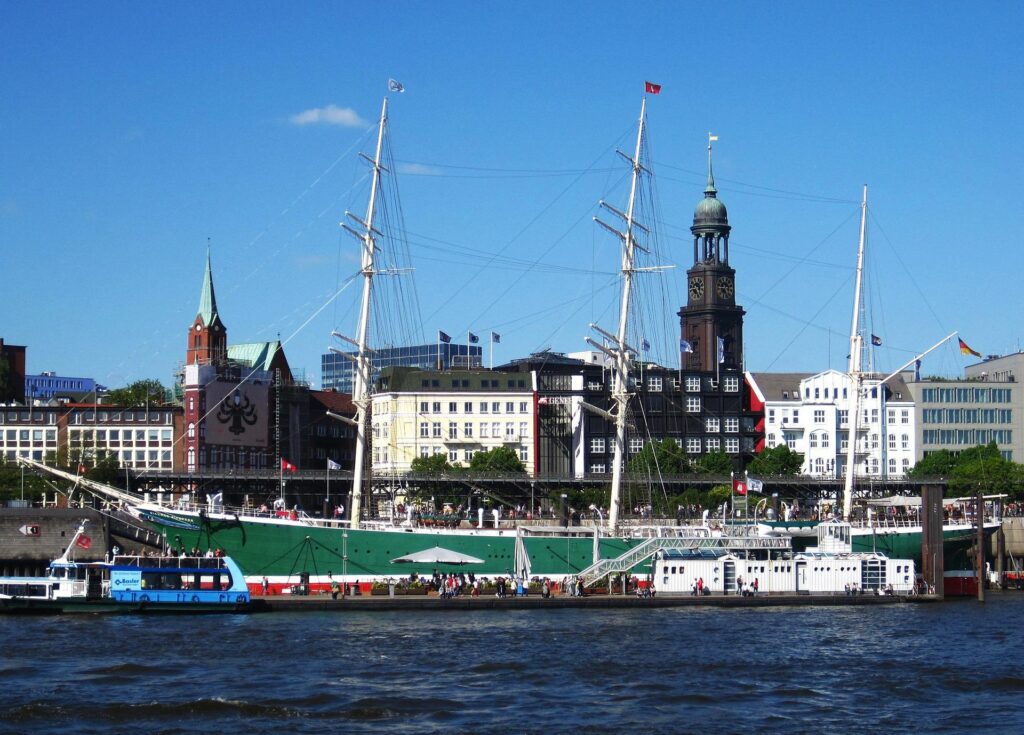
x,y
84,541
652,88
739,487
288,466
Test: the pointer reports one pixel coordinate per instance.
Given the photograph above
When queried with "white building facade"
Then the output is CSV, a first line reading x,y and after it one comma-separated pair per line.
x,y
418,413
809,413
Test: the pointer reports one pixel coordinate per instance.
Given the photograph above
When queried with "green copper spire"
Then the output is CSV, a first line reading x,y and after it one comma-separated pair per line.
x,y
207,298
710,190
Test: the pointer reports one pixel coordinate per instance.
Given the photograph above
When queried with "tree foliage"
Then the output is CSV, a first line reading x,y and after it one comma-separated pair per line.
x,y
139,393
980,468
780,461
499,459
435,464
660,458
714,463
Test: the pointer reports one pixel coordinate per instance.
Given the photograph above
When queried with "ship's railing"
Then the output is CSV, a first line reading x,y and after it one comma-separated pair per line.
x,y
199,563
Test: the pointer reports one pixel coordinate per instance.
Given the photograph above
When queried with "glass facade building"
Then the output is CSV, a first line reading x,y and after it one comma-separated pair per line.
x,y
337,370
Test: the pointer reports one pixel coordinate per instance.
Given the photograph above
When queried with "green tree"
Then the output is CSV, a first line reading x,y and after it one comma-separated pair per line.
x,y
435,464
139,393
664,457
499,459
777,461
984,469
936,464
714,463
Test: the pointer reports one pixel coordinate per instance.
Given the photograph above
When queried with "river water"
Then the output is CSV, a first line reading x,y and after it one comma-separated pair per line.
x,y
948,667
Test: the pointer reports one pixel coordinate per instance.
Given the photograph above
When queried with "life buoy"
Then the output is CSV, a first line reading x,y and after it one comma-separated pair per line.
x,y
195,598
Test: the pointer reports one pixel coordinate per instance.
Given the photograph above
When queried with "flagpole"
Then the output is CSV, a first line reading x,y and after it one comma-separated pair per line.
x,y
280,474
328,482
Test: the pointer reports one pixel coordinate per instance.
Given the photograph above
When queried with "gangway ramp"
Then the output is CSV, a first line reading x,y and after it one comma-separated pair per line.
x,y
641,553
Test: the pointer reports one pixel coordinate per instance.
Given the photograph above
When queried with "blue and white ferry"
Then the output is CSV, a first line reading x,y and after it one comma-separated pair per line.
x,y
129,584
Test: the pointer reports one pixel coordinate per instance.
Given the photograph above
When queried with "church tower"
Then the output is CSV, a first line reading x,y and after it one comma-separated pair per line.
x,y
207,337
711,324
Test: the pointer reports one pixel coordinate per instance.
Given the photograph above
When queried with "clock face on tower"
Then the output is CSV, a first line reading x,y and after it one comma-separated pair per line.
x,y
725,287
696,288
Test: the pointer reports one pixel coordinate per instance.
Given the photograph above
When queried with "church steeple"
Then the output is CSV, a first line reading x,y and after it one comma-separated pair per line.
x,y
207,337
711,323
207,297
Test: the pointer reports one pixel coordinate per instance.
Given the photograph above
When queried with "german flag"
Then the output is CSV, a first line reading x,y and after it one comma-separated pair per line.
x,y
965,350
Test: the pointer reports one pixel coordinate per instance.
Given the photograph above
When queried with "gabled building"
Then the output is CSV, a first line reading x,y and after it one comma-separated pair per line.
x,y
457,413
809,413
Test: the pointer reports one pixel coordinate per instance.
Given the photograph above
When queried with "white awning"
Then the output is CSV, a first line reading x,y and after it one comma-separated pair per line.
x,y
437,555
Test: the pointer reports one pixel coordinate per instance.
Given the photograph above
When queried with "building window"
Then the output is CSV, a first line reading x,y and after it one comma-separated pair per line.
x,y
819,416
485,430
522,429
812,441
424,429
844,415
654,383
524,453
732,445
191,430
731,384
597,444
424,406
510,407
453,407
467,430
693,404
904,416
732,424
892,441
711,424
495,407
714,444
693,445
453,455
467,407
692,383
495,430
824,440
523,407
636,443
598,468
483,406
436,407
468,455
436,430
424,452
453,430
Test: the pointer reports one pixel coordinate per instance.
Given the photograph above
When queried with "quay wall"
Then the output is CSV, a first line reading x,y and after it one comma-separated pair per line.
x,y
31,537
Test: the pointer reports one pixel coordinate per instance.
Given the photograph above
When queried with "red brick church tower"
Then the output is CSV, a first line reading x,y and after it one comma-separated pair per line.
x,y
207,337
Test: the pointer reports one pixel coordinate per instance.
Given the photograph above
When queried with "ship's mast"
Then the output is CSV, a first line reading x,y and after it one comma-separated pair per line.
x,y
856,346
361,385
619,350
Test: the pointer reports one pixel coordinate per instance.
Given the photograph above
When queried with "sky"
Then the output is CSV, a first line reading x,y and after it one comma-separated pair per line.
x,y
135,135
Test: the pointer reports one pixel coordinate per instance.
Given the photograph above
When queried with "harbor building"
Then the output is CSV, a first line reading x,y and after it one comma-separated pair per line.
x,y
141,439
49,385
457,413
12,373
809,413
986,406
337,370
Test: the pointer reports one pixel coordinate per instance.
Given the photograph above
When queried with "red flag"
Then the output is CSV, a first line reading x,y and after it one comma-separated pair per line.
x,y
84,541
652,88
288,466
739,487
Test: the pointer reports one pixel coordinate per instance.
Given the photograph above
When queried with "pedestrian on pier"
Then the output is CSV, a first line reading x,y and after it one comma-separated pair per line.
x,y
266,586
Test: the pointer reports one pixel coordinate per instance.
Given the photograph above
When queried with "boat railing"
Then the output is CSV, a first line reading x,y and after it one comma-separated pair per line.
x,y
199,563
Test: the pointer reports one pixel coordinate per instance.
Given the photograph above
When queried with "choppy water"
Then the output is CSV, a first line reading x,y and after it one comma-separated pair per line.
x,y
948,667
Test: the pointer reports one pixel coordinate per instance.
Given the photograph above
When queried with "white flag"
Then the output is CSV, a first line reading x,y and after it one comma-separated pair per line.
x,y
395,86
332,465
755,485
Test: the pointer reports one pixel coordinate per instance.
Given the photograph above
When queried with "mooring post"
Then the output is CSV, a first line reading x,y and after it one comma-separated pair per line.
x,y
932,562
979,557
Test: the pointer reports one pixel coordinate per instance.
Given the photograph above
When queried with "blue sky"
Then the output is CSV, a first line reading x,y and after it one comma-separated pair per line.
x,y
130,134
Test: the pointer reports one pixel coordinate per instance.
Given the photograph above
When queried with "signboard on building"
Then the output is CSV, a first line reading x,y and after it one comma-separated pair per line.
x,y
237,414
